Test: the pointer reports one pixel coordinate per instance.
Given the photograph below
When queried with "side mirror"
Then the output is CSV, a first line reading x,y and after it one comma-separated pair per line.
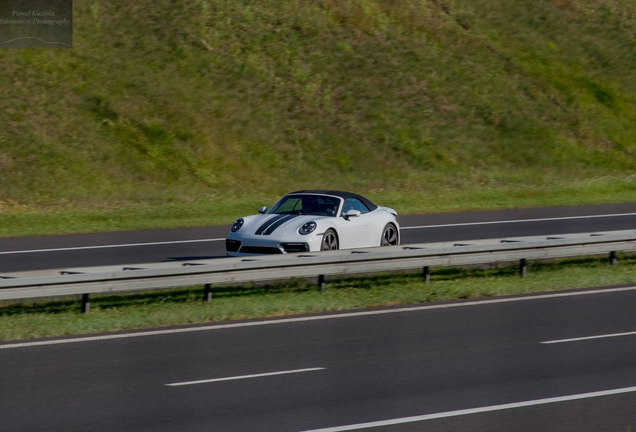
x,y
262,210
352,213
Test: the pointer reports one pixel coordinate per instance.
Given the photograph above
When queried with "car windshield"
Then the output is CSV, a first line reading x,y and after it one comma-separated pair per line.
x,y
315,205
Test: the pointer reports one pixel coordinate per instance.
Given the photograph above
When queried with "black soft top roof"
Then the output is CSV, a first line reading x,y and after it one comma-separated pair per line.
x,y
340,194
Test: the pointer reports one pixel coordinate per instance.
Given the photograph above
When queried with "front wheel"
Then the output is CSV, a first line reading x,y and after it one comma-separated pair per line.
x,y
389,236
329,241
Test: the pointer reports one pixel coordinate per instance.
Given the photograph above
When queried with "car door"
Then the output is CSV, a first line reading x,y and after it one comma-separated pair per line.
x,y
355,231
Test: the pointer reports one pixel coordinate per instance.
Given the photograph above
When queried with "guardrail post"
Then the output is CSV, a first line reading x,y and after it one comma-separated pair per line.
x,y
426,275
612,258
523,267
86,304
207,293
321,282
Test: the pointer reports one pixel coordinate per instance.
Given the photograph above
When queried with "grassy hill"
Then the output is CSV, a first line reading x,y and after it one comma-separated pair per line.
x,y
186,112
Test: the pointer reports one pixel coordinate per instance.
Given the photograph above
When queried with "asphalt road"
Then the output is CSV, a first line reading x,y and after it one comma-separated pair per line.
x,y
453,368
37,253
480,366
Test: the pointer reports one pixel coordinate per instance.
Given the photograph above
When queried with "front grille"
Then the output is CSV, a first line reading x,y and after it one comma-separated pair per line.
x,y
295,247
260,250
232,245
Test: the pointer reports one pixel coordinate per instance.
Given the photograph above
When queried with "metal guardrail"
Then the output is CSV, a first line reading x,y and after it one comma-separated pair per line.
x,y
112,279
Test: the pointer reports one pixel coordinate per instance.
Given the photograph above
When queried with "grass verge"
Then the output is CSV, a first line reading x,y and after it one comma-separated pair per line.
x,y
470,194
25,320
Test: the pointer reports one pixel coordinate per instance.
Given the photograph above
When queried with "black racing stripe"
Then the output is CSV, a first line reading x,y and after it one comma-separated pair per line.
x,y
268,222
278,223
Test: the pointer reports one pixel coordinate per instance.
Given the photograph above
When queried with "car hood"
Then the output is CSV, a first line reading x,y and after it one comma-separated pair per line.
x,y
276,224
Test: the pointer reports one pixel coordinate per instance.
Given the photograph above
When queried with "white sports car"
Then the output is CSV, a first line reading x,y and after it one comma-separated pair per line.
x,y
314,220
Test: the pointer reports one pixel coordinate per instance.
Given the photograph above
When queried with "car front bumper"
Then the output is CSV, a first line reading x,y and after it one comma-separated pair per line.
x,y
247,247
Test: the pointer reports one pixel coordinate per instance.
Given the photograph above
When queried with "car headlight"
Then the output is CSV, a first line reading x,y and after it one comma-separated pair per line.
x,y
307,228
237,225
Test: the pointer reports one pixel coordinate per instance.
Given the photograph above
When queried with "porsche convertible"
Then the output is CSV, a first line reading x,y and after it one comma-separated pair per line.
x,y
314,220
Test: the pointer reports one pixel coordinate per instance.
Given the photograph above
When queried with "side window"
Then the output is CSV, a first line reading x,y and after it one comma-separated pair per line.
x,y
354,204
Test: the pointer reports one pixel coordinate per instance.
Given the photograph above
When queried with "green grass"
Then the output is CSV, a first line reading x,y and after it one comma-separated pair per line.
x,y
194,112
68,217
23,320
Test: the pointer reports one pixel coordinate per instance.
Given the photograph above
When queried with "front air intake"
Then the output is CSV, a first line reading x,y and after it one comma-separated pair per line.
x,y
232,245
260,250
295,247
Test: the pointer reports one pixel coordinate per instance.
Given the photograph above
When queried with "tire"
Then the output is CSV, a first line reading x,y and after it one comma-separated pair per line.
x,y
329,241
390,236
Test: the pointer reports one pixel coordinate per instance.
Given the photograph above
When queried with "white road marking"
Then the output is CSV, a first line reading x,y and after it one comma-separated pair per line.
x,y
589,337
312,318
518,221
109,246
474,410
243,377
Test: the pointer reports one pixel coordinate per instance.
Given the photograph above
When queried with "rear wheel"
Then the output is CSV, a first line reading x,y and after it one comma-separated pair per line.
x,y
329,241
389,236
